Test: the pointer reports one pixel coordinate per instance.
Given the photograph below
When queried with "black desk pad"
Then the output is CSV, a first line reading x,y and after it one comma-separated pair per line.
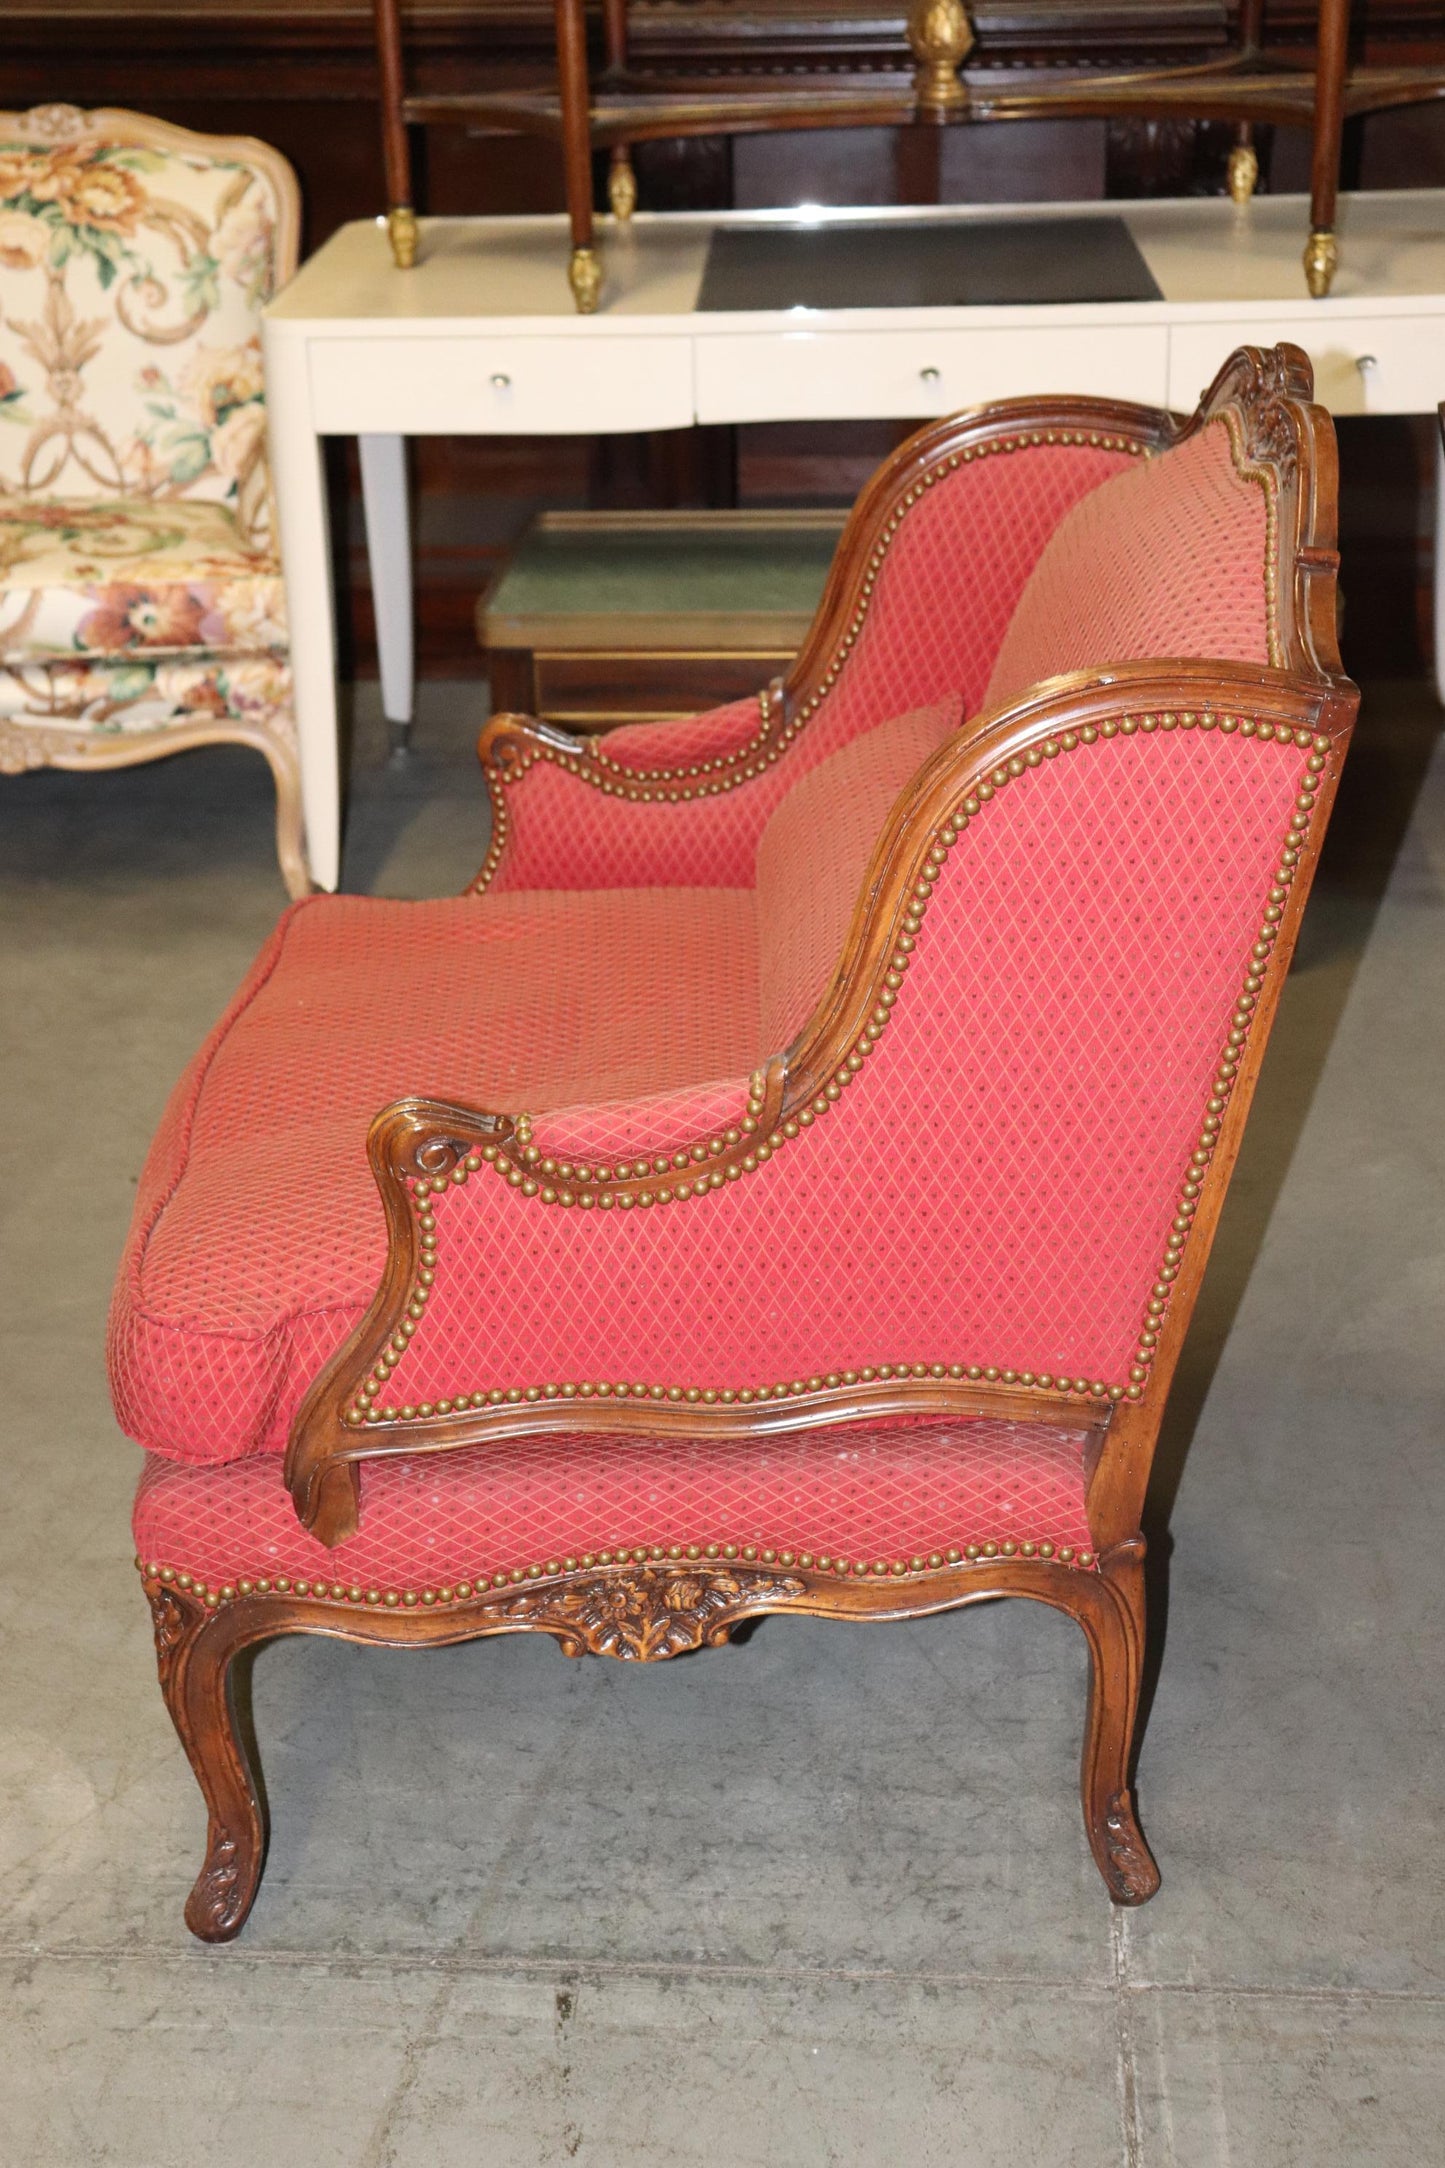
x,y
924,266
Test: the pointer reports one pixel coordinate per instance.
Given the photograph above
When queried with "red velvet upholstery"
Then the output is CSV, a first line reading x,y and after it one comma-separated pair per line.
x,y
948,586
814,852
1166,559
1001,1175
868,1496
257,1238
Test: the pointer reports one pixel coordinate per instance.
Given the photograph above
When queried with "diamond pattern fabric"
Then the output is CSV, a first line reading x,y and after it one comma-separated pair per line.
x,y
258,1238
814,852
950,580
662,1122
996,1185
865,1494
993,1189
1167,559
681,739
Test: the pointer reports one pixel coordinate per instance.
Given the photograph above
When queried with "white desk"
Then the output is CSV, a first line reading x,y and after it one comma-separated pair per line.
x,y
481,338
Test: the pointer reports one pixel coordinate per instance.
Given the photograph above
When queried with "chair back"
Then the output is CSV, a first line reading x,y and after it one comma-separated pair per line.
x,y
135,258
1171,557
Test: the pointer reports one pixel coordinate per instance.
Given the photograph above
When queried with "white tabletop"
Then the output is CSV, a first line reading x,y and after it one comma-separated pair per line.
x,y
1208,257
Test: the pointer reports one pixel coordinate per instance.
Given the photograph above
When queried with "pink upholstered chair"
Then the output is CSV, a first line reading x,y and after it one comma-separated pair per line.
x,y
793,1164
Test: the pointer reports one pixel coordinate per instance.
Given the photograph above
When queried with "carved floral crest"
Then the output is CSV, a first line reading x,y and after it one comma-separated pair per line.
x,y
650,1613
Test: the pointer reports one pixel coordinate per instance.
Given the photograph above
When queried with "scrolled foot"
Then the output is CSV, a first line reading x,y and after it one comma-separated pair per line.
x,y
584,276
1125,1860
1243,172
402,230
1322,255
225,1889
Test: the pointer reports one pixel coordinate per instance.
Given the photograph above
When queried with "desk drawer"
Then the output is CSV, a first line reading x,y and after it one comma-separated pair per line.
x,y
848,375
1363,364
480,385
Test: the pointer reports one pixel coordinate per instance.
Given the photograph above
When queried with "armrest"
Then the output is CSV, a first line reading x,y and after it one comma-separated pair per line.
x,y
571,812
748,1275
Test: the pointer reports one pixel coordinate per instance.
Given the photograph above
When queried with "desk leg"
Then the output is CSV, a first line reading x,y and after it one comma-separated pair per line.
x,y
305,535
1440,557
388,545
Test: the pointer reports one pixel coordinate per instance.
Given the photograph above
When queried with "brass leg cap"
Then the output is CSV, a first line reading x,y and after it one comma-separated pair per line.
x,y
622,186
401,226
1322,254
584,276
1243,172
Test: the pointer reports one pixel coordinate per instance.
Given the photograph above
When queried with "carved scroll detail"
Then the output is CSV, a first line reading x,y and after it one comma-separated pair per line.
x,y
1263,384
221,1897
1135,1875
648,1614
172,1618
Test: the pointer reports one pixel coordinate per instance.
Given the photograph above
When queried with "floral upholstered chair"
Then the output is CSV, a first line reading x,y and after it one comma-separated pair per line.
x,y
793,1163
141,609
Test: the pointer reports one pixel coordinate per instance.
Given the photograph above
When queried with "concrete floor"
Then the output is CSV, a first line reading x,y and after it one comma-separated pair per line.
x,y
822,1897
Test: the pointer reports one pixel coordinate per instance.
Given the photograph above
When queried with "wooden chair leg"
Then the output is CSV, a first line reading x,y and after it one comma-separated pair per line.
x,y
1321,250
194,1652
280,749
1113,1623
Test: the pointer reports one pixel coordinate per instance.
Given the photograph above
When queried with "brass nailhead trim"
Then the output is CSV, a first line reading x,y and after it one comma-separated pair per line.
x,y
485,1586
522,1172
726,771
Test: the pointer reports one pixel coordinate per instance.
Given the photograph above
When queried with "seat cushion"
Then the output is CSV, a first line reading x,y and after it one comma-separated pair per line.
x,y
814,852
258,1237
144,579
867,1498
1166,559
88,707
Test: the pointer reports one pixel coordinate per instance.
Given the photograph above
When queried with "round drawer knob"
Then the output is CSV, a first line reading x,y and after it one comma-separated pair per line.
x,y
501,382
930,375
1365,363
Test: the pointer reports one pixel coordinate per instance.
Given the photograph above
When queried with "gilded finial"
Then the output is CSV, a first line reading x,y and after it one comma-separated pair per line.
x,y
402,230
1243,172
941,37
584,276
1322,254
622,185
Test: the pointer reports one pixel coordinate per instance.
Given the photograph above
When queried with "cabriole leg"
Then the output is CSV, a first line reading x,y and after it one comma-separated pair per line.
x,y
194,1653
1114,1627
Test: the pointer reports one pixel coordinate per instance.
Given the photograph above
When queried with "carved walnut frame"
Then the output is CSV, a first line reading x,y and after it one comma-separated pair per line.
x,y
649,1604
25,746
